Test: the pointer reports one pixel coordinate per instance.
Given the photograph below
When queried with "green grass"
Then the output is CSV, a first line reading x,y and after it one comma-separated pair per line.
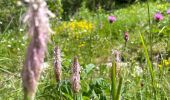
x,y
93,48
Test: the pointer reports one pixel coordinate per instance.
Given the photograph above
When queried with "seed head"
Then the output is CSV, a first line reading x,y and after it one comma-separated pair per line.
x,y
75,80
38,24
57,63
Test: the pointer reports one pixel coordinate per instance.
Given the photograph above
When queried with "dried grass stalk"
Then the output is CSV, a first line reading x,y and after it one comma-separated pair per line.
x,y
57,63
38,24
75,79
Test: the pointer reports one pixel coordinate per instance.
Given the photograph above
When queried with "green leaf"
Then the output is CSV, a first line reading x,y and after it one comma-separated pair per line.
x,y
85,86
86,98
67,96
87,70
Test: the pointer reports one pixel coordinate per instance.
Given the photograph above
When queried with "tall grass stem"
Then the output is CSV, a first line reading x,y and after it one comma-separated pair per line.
x,y
150,33
150,66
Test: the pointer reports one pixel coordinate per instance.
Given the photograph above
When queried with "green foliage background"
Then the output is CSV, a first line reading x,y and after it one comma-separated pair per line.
x,y
10,13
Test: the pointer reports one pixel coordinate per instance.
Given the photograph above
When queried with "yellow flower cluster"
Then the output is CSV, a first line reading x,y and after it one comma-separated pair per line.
x,y
161,7
82,44
75,26
81,25
165,63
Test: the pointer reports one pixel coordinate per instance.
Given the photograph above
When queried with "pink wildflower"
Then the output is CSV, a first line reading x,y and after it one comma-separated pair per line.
x,y
112,19
158,16
168,11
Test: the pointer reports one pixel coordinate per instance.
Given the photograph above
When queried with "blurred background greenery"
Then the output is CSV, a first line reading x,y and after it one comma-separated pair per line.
x,y
10,12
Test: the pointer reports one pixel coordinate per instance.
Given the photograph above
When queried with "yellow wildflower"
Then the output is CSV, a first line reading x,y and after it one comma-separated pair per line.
x,y
82,44
76,25
165,63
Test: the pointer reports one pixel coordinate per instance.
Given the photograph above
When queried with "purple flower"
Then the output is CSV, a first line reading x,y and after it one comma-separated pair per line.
x,y
112,19
158,16
168,11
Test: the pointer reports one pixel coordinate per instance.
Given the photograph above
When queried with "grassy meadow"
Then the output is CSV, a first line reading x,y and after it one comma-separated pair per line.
x,y
144,72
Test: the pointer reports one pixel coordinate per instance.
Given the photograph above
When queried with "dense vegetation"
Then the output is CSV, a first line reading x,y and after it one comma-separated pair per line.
x,y
83,29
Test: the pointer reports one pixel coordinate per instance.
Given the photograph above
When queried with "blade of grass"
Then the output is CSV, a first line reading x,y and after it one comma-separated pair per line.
x,y
150,28
119,88
113,79
8,25
5,70
149,64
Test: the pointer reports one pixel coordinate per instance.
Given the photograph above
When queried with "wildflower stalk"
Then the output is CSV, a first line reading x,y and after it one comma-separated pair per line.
x,y
113,71
57,67
111,20
75,79
57,63
38,23
110,36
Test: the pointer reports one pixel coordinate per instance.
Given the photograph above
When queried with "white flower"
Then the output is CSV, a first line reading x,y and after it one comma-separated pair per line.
x,y
85,31
22,44
45,65
138,70
19,3
97,68
24,37
71,20
18,49
3,41
9,46
109,64
132,42
123,64
21,30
